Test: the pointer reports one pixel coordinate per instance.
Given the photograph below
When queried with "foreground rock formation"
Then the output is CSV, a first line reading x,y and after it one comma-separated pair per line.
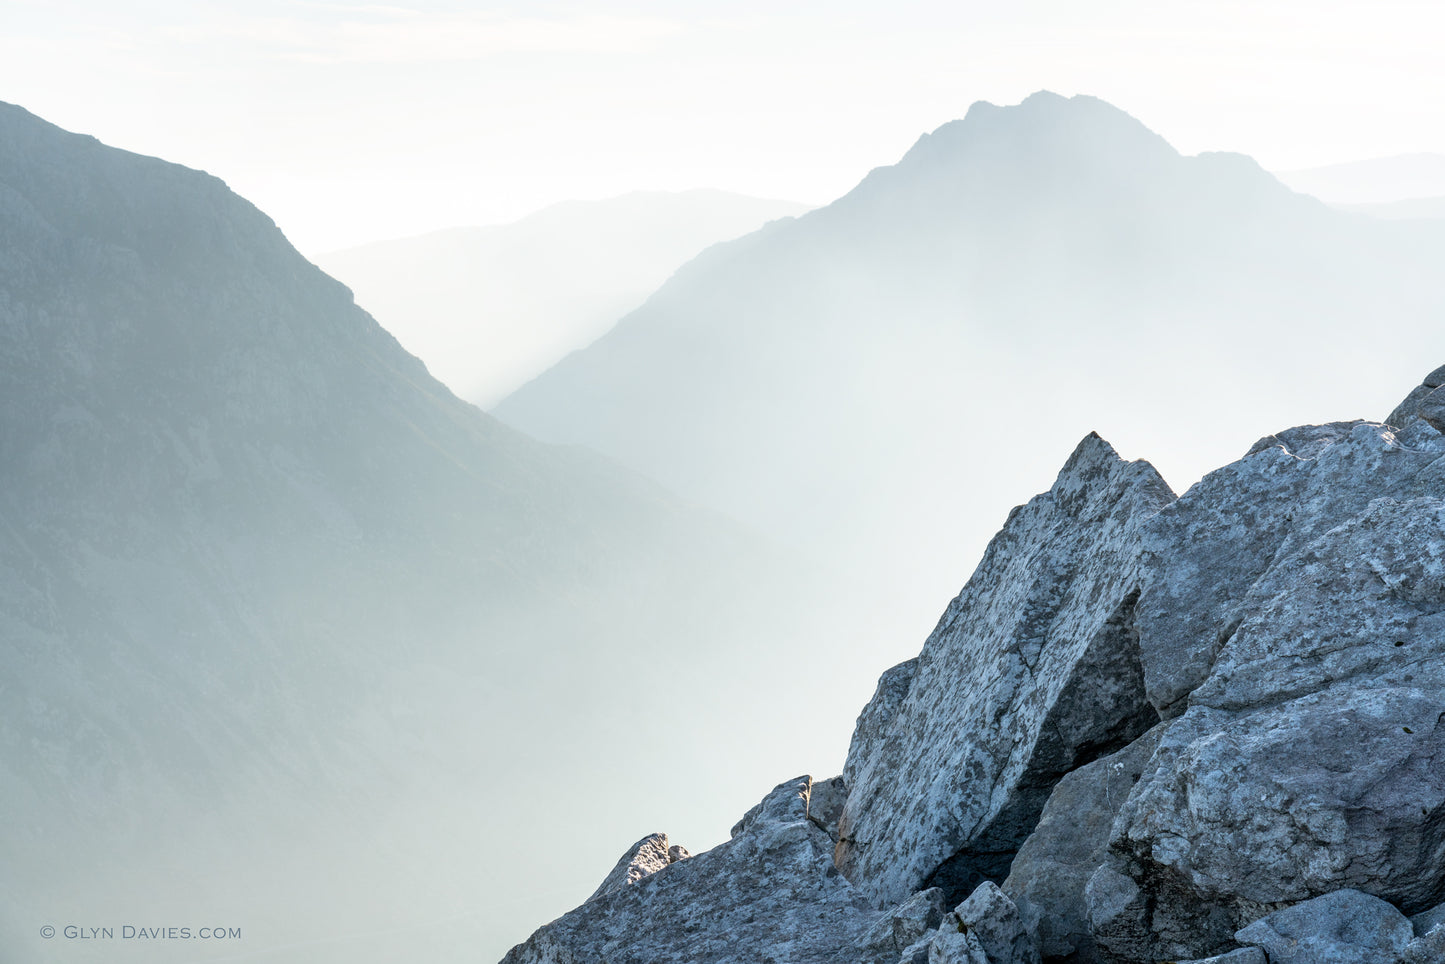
x,y
1148,728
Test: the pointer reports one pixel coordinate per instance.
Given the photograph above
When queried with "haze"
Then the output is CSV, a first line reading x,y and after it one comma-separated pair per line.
x,y
297,639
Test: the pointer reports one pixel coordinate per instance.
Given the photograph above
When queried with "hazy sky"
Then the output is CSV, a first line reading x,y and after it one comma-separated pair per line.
x,y
350,122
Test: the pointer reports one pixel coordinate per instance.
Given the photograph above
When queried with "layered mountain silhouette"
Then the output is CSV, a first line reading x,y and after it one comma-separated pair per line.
x,y
876,380
297,642
489,308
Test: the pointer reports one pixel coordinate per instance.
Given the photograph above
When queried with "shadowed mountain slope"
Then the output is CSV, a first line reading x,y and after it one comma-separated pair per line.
x,y
293,639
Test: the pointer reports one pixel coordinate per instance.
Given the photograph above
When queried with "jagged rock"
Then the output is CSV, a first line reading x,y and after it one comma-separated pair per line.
x,y
1032,671
825,805
1426,921
873,722
647,856
1427,948
956,947
1409,409
1345,927
1241,955
677,852
1203,552
1432,410
906,925
1308,761
770,893
785,803
1053,866
989,915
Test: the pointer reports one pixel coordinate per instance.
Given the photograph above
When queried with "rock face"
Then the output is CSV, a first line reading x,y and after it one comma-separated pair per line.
x,y
770,893
1032,671
1209,729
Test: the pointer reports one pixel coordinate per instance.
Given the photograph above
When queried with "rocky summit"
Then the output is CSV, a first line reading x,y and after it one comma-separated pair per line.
x,y
1203,728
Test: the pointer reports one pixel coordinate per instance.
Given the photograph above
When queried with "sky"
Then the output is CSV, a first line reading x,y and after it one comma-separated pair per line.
x,y
353,122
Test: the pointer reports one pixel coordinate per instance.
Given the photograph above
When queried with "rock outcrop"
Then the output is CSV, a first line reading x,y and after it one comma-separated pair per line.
x,y
1032,671
1204,729
770,893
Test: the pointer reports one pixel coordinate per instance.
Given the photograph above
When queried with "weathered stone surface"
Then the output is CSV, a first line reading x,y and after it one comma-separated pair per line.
x,y
956,947
1432,410
1204,552
769,894
677,852
1309,761
1344,927
647,856
1426,921
873,722
1427,948
989,915
785,803
904,926
825,805
1241,955
1053,866
1409,410
1032,671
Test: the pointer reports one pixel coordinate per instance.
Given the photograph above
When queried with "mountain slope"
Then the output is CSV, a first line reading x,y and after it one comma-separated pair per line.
x,y
873,380
488,308
295,640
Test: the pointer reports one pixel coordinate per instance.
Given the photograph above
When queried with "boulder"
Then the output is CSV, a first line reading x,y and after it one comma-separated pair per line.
x,y
989,915
1240,955
1345,927
1307,762
1032,671
1204,552
1427,948
902,928
770,893
1053,867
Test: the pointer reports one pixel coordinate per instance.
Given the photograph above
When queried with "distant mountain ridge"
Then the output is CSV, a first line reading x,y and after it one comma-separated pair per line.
x,y
488,308
292,634
1017,278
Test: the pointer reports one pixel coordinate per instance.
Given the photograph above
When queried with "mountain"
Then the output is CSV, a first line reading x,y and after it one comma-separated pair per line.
x,y
298,643
1409,209
872,381
1202,728
1379,180
488,308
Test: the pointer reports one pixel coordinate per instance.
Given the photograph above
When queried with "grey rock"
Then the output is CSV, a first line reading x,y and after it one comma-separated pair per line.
x,y
1344,927
1308,761
989,915
647,856
1427,948
677,852
785,803
956,947
770,893
1435,379
1053,867
825,805
1032,671
873,722
1408,410
1241,955
1432,410
905,926
1426,921
1204,551
917,952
